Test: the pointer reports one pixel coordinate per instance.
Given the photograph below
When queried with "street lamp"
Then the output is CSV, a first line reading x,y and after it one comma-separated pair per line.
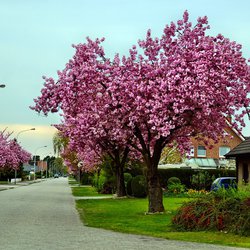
x,y
23,131
17,136
79,165
35,160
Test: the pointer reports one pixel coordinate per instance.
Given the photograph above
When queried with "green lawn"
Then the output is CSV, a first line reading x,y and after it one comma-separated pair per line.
x,y
85,191
4,182
72,181
128,216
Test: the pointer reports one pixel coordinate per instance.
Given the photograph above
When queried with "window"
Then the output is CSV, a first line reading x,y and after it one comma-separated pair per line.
x,y
191,152
201,151
223,150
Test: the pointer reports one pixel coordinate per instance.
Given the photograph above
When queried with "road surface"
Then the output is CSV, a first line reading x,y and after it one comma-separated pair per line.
x,y
43,216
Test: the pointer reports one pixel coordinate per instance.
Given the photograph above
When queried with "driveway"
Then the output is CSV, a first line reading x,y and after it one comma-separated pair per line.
x,y
43,216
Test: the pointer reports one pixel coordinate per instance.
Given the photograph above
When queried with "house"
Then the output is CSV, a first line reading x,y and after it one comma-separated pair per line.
x,y
241,153
42,165
28,167
213,155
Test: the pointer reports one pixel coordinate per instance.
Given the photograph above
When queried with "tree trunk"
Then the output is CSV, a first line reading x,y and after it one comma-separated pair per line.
x,y
120,160
120,185
155,195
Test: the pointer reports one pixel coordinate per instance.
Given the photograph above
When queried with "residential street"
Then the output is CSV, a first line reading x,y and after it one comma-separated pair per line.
x,y
43,216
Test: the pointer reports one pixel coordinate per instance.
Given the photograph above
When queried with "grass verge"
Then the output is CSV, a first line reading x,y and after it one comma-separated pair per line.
x,y
86,191
72,181
4,182
128,216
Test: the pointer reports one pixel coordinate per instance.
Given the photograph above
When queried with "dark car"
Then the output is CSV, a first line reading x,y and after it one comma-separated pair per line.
x,y
224,182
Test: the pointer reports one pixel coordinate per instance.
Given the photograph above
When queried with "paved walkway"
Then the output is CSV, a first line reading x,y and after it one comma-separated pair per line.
x,y
18,184
43,216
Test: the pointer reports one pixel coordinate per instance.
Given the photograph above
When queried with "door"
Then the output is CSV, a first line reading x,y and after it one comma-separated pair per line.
x,y
245,173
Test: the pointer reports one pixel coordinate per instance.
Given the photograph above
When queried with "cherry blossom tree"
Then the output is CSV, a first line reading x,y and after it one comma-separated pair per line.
x,y
11,153
180,85
91,147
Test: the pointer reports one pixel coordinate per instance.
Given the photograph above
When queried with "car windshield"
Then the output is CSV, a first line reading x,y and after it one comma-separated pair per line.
x,y
216,181
227,181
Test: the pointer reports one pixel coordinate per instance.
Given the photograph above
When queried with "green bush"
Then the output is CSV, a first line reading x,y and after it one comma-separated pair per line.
x,y
173,180
202,180
104,179
138,186
86,178
127,177
129,188
228,211
99,180
176,188
185,175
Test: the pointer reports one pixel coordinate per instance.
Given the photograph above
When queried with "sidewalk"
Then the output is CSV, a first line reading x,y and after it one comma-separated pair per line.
x,y
92,197
18,184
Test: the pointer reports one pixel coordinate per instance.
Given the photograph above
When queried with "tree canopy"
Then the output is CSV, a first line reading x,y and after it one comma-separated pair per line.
x,y
11,153
167,89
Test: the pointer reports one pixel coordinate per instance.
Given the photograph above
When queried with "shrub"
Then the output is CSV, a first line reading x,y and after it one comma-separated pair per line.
x,y
192,193
215,211
173,180
99,180
138,186
185,175
202,180
176,188
127,177
86,178
129,188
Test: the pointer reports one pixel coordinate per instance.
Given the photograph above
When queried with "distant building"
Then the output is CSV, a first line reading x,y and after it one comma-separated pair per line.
x,y
42,165
28,167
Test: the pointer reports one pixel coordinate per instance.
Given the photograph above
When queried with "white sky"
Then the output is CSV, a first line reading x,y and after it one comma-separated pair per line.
x,y
36,38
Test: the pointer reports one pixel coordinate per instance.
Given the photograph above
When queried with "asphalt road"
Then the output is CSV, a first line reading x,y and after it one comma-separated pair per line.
x,y
43,216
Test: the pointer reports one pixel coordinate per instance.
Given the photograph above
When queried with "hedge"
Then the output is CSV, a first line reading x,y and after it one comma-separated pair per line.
x,y
185,175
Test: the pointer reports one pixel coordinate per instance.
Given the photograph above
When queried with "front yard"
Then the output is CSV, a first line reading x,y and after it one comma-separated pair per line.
x,y
128,215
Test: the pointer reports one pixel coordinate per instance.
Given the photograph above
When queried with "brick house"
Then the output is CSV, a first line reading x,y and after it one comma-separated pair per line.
x,y
42,165
213,155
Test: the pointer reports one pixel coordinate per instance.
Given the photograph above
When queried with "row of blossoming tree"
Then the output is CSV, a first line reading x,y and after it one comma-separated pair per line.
x,y
12,155
165,90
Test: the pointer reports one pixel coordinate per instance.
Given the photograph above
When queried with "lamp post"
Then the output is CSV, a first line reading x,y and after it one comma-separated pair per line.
x,y
16,139
79,165
23,131
35,160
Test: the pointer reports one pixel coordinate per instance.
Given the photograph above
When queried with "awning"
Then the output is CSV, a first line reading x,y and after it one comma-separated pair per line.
x,y
206,162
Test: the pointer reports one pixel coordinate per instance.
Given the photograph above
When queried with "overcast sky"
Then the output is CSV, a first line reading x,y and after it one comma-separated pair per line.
x,y
36,39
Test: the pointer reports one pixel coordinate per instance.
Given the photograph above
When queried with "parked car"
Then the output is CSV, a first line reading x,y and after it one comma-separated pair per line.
x,y
56,176
224,182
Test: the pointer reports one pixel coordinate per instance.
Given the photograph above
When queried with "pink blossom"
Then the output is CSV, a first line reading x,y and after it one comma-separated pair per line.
x,y
180,85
